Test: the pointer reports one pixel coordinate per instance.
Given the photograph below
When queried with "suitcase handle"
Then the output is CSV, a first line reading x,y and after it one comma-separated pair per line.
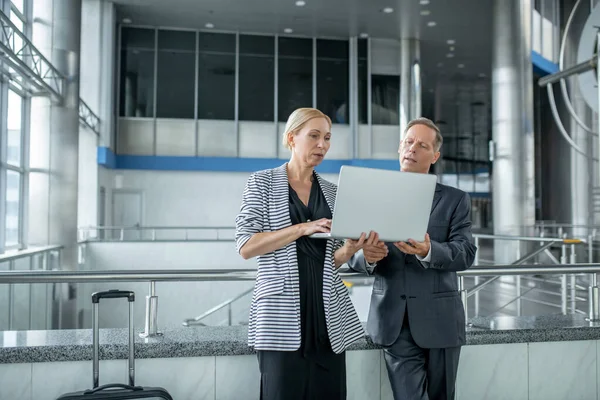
x,y
113,294
113,386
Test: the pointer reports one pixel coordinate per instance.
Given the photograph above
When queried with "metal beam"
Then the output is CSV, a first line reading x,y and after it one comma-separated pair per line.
x,y
24,60
27,61
88,118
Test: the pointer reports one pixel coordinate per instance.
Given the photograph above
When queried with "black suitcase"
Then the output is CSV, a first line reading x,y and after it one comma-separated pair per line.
x,y
115,391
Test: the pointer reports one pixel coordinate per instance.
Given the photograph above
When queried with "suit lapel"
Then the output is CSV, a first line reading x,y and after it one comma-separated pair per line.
x,y
437,195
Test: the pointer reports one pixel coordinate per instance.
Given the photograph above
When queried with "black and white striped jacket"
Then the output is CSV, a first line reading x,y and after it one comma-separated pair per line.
x,y
274,321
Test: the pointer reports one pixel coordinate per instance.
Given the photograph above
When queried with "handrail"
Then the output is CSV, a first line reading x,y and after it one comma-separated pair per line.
x,y
8,277
194,321
520,261
149,227
9,256
529,238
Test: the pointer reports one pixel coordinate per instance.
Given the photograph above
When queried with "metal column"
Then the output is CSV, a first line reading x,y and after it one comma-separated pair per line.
x,y
410,82
512,118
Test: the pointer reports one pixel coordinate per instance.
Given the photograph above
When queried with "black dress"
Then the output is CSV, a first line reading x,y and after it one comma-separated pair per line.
x,y
314,371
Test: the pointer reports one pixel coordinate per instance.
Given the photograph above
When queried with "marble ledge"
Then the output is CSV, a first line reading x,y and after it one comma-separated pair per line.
x,y
76,345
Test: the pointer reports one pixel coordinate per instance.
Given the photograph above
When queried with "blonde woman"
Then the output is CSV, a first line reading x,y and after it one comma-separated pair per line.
x,y
301,317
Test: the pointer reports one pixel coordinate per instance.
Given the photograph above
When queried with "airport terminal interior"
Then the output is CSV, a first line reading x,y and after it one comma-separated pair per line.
x,y
129,129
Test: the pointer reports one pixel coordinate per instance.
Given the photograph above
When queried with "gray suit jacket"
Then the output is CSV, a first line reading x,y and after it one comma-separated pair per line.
x,y
430,295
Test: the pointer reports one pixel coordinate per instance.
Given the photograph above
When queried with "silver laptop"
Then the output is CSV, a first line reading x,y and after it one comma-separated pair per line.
x,y
394,204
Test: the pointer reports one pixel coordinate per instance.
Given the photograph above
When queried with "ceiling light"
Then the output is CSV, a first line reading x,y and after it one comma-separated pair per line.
x,y
424,2
482,75
364,35
126,20
209,25
300,3
431,23
451,48
388,10
288,30
440,64
461,65
425,12
450,55
451,41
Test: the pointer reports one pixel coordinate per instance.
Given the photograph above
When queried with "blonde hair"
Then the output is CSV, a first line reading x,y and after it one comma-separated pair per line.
x,y
298,119
428,123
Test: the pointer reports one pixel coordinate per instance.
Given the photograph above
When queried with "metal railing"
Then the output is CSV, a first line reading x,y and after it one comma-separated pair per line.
x,y
45,258
156,233
153,276
227,303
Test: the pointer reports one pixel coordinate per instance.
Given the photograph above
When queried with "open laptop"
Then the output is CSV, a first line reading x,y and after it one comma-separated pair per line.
x,y
394,204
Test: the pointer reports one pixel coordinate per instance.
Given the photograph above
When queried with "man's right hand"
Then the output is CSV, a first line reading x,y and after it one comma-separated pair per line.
x,y
373,249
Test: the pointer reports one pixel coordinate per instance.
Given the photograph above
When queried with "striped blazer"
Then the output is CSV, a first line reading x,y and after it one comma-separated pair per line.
x,y
274,321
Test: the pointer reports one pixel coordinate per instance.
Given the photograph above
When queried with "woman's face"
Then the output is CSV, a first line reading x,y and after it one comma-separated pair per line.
x,y
312,142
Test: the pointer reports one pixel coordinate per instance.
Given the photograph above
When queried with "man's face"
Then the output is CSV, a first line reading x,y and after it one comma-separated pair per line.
x,y
417,149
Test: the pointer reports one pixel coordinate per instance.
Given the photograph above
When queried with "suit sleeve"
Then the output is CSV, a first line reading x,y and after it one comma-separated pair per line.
x,y
358,263
458,252
251,216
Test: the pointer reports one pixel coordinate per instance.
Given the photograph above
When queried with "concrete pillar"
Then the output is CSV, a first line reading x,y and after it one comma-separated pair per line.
x,y
512,124
410,82
98,41
56,33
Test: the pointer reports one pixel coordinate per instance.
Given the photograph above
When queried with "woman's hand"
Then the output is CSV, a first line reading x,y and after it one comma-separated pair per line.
x,y
322,225
351,246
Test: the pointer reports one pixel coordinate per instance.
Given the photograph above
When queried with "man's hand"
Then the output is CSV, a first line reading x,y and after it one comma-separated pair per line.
x,y
373,249
420,249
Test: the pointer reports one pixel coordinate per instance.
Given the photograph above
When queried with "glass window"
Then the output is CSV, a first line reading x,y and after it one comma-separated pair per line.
x,y
294,80
257,74
332,79
137,73
216,76
14,120
363,80
18,4
385,99
176,69
13,195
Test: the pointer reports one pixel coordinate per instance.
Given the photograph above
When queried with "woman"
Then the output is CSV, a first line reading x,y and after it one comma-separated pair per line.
x,y
301,316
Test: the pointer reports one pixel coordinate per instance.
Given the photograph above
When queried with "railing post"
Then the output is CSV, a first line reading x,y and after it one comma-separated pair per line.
x,y
463,297
590,248
153,234
593,299
476,279
563,294
573,281
151,322
229,316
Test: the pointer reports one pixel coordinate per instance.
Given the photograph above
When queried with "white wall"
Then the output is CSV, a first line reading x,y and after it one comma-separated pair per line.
x,y
182,198
87,186
180,137
545,370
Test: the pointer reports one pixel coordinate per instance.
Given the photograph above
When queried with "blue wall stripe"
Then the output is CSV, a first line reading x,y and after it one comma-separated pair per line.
x,y
542,66
108,159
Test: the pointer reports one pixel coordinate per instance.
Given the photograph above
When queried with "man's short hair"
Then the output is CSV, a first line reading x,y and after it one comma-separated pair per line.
x,y
429,123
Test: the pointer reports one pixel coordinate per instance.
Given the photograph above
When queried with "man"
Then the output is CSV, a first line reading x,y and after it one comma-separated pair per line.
x,y
416,313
